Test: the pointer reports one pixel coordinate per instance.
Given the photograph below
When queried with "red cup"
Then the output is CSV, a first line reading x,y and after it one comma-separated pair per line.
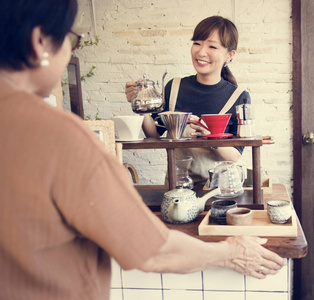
x,y
216,124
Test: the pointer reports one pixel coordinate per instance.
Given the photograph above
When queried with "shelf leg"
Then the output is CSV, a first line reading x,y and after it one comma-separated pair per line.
x,y
172,172
257,190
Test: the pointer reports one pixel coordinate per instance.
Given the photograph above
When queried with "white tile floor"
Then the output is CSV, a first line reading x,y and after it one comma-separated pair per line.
x,y
182,281
144,294
278,282
216,284
115,275
216,279
267,295
136,278
182,295
116,294
224,295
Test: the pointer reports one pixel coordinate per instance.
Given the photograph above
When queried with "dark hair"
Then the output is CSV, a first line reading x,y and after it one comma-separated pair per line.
x,y
228,35
17,21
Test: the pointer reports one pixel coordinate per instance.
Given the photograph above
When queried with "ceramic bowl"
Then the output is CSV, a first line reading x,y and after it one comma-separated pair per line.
x,y
219,210
239,216
279,211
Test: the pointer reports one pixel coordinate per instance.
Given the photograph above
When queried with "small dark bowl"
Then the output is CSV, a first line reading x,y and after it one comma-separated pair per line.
x,y
219,210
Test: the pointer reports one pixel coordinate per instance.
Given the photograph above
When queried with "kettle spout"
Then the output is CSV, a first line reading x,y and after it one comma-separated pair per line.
x,y
177,211
163,86
202,200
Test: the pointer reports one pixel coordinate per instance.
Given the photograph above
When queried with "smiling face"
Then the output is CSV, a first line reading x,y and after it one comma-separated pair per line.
x,y
208,58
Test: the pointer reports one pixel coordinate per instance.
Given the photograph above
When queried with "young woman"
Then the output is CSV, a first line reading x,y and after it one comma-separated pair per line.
x,y
215,41
59,225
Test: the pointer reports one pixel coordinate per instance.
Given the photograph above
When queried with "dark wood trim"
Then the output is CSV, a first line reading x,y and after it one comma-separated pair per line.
x,y
297,107
75,88
297,132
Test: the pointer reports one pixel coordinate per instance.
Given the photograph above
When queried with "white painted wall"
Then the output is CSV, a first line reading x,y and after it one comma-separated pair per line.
x,y
142,36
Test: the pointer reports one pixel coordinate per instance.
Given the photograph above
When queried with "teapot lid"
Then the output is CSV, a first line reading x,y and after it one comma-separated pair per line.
x,y
145,81
180,192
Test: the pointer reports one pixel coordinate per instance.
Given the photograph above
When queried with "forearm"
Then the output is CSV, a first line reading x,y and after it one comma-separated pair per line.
x,y
227,153
185,254
149,127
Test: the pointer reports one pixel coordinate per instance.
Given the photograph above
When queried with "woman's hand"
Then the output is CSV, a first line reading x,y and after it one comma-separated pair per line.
x,y
199,130
130,90
249,257
182,253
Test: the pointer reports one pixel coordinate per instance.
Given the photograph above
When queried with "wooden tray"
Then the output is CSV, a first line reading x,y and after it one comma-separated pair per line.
x,y
261,226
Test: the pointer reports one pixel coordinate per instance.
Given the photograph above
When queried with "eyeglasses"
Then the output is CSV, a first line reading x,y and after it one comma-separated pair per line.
x,y
75,39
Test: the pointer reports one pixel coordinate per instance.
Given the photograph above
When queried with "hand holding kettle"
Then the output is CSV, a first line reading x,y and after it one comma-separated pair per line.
x,y
130,90
146,98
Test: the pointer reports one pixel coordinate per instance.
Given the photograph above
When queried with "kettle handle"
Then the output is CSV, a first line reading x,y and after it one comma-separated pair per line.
x,y
157,124
241,173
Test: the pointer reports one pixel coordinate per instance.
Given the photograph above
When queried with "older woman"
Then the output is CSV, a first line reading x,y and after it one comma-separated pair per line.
x,y
63,196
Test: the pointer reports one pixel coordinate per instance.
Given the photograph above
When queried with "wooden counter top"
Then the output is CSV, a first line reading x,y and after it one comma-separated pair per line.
x,y
199,142
294,247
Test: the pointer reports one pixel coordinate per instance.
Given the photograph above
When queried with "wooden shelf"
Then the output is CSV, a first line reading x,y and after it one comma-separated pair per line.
x,y
171,145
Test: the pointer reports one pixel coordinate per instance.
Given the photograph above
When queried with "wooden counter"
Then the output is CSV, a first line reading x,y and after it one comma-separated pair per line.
x,y
295,247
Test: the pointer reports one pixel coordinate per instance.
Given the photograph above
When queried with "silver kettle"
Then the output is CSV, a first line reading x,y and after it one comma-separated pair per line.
x,y
147,99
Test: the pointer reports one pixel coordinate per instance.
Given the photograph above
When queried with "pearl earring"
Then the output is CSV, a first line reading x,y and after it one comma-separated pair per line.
x,y
44,61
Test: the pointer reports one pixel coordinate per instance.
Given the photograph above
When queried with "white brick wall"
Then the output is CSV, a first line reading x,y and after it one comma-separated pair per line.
x,y
141,36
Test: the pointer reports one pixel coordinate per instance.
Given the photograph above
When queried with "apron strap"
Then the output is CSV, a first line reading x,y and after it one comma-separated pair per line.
x,y
175,89
233,98
174,93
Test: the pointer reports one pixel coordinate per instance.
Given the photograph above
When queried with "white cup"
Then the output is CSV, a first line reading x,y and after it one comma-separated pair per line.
x,y
128,128
279,211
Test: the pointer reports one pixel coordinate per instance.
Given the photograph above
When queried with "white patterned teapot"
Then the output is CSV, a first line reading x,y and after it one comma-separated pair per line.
x,y
181,205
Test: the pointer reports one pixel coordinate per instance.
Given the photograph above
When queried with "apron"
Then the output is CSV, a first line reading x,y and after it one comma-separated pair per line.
x,y
203,158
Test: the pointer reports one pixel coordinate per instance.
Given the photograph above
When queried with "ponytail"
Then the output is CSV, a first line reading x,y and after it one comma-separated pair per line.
x,y
227,75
